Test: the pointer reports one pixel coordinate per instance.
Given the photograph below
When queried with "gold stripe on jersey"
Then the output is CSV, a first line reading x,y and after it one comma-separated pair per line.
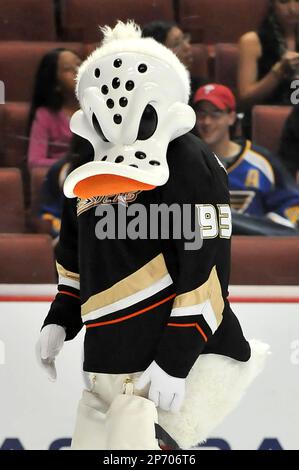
x,y
240,200
292,214
210,290
260,162
141,279
255,159
65,273
239,160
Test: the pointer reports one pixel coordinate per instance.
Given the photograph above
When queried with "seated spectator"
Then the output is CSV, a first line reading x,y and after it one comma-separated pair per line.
x,y
259,185
53,104
289,144
52,189
269,59
169,34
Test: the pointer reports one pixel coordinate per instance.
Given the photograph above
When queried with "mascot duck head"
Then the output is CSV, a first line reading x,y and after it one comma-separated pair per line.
x,y
133,94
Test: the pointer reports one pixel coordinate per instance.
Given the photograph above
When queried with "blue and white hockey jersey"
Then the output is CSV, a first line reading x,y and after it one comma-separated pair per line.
x,y
260,186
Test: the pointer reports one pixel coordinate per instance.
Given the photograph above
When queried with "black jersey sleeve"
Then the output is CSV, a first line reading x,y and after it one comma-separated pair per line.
x,y
65,310
200,275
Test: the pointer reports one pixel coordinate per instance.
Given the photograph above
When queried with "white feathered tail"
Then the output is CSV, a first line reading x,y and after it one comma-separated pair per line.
x,y
214,387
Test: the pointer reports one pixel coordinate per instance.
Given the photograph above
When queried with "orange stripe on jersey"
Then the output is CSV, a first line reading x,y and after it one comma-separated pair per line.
x,y
69,293
117,320
184,325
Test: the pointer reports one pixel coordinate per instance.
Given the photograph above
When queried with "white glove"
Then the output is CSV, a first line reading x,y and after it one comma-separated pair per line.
x,y
165,391
48,346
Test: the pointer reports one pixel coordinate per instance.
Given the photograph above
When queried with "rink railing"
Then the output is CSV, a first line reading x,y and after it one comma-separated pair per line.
x,y
238,294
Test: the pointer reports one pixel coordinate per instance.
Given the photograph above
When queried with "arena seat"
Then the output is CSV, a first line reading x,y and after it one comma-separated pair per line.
x,y
80,20
12,202
36,224
18,65
226,65
199,67
220,20
265,261
267,125
26,259
13,124
27,20
90,47
37,176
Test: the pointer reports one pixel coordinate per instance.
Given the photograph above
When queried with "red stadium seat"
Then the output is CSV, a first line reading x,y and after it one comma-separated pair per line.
x,y
27,20
267,125
80,20
26,259
199,66
37,176
89,48
13,124
12,202
220,20
18,65
36,224
265,261
226,65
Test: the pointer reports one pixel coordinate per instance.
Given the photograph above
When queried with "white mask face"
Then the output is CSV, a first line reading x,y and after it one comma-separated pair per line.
x,y
132,106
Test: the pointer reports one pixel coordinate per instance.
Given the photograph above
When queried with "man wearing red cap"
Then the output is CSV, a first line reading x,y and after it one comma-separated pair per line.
x,y
258,185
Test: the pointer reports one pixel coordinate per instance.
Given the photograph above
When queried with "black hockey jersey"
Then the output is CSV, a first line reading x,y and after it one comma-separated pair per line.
x,y
153,297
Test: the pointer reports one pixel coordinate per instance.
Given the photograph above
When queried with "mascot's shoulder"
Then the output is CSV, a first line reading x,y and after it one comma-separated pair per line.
x,y
189,154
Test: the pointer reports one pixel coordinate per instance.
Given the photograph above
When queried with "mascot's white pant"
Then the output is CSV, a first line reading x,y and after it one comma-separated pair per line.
x,y
109,419
214,387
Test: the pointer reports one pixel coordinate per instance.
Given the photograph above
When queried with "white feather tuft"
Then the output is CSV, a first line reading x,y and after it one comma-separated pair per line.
x,y
126,37
129,30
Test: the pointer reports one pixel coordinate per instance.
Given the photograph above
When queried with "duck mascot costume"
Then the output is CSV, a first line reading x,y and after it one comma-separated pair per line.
x,y
144,257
